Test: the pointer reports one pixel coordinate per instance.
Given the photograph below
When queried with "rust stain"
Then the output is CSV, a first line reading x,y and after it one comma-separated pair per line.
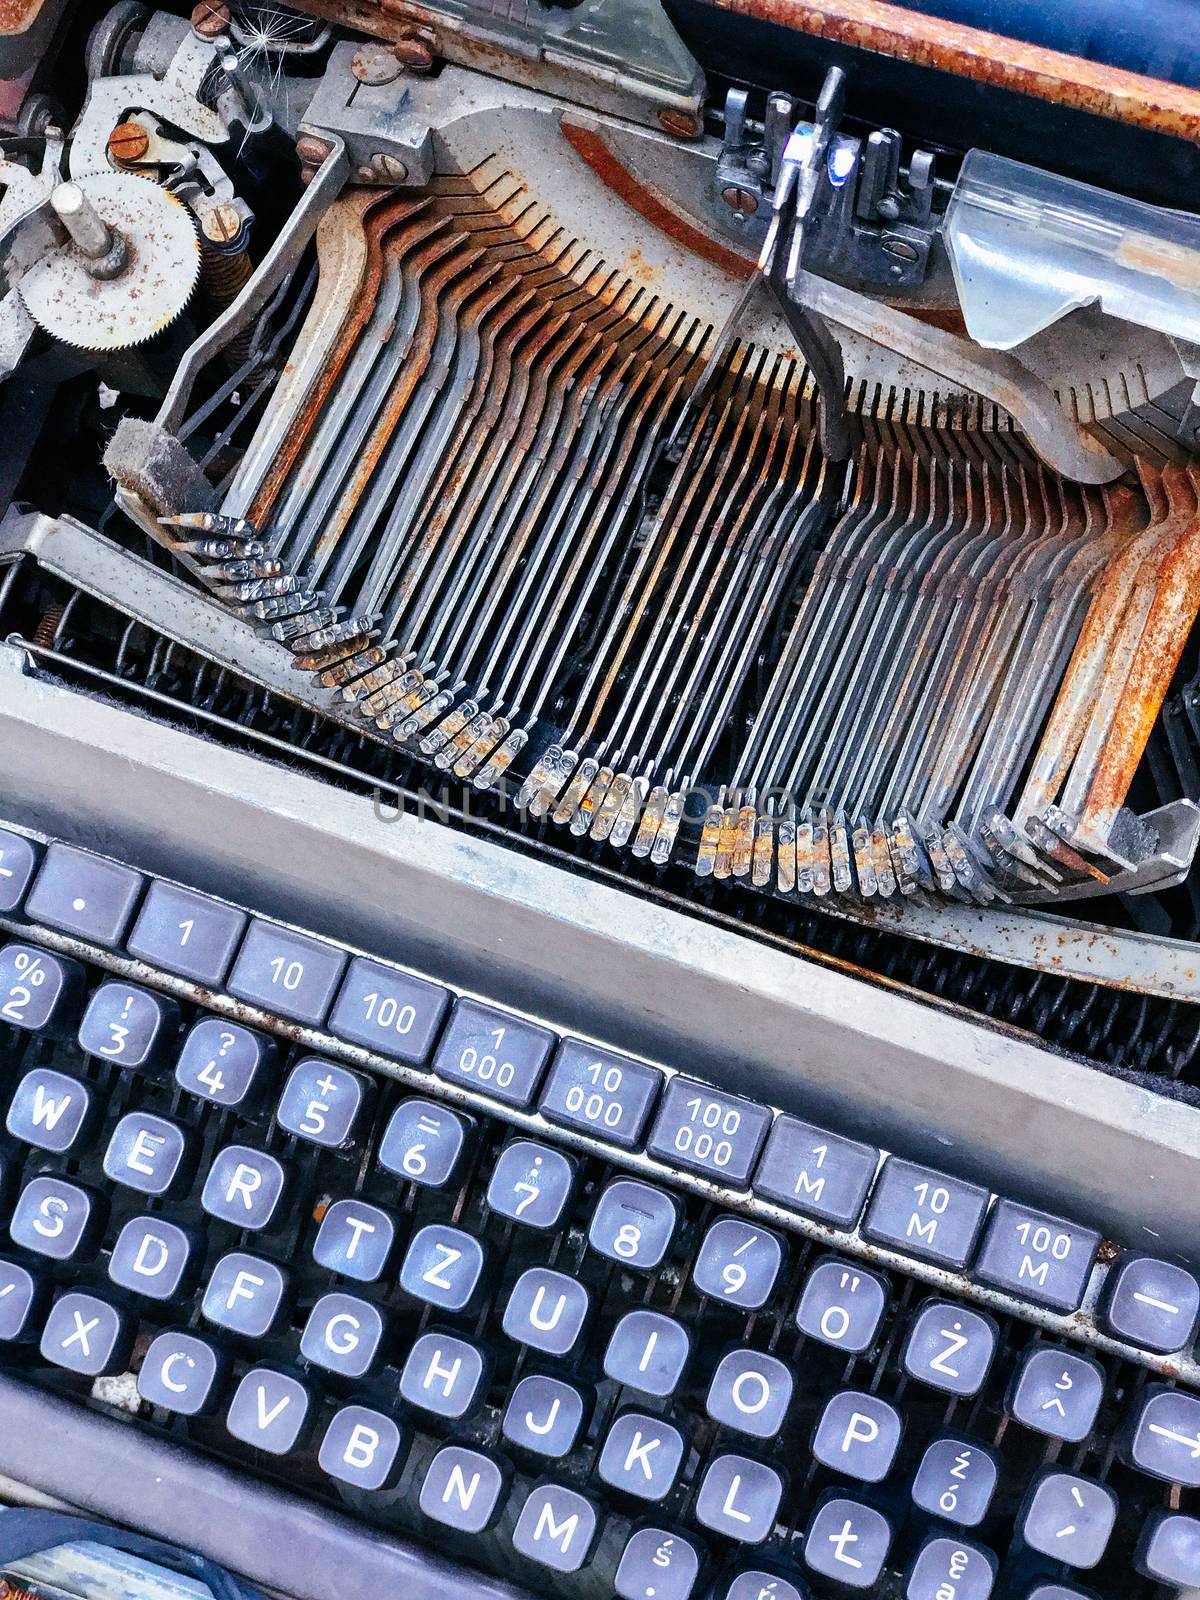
x,y
18,16
591,147
990,58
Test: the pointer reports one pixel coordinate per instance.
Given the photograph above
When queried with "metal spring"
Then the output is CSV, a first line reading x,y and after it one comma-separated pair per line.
x,y
223,273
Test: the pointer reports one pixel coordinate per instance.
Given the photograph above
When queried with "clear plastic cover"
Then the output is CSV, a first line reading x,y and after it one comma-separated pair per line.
x,y
1027,247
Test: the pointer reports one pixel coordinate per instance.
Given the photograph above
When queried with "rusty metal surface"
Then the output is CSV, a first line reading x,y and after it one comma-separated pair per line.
x,y
988,58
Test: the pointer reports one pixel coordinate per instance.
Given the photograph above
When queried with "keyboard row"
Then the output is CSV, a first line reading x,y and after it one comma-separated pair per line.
x,y
1044,1260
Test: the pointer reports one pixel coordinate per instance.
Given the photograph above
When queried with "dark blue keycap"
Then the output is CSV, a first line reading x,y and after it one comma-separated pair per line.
x,y
391,1012
423,1142
755,1584
848,1542
269,1411
226,1063
244,1186
187,933
50,1110
246,1294
1069,1518
149,1154
633,1224
842,1304
556,1528
83,895
1153,1304
946,1566
362,1447
531,1184
463,1489
544,1415
1057,1392
950,1347
642,1456
956,1480
500,1055
154,1257
647,1351
343,1334
751,1392
600,1092
1165,1438
22,1295
18,858
659,1564
816,1173
183,1372
59,1218
738,1263
925,1214
709,1132
355,1240
1039,1257
442,1266
444,1375
287,973
322,1103
128,1026
858,1435
739,1498
86,1334
546,1310
1169,1550
38,991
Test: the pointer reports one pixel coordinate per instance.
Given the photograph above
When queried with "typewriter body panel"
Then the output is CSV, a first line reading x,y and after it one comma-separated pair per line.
x,y
599,791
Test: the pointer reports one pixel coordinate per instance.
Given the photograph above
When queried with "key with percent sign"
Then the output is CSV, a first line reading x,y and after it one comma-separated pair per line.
x,y
38,991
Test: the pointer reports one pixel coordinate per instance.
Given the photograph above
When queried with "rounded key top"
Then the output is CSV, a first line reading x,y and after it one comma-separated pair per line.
x,y
848,1542
343,1335
546,1310
51,1110
708,1131
322,1103
641,1456
1037,1257
556,1528
1069,1518
531,1184
269,1411
226,1063
444,1375
657,1564
22,1296
1057,1392
362,1447
1165,1437
739,1498
633,1224
39,991
244,1186
246,1294
647,1351
1152,1304
1169,1550
150,1154
356,1240
956,1480
951,1567
544,1415
128,1026
183,1372
494,1052
18,858
463,1489
423,1142
88,1335
84,895
925,1214
751,1392
59,1218
389,1011
442,1266
738,1263
950,1348
187,933
858,1435
842,1304
156,1258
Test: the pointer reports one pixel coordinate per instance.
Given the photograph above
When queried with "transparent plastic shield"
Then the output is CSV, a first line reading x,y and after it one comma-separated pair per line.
x,y
1027,247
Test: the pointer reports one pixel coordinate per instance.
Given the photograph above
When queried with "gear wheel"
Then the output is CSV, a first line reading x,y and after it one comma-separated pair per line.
x,y
162,266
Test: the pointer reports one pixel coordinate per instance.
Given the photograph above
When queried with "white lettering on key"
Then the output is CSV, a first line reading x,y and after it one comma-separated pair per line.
x,y
145,1149
546,1323
841,1540
955,1341
265,1417
80,1336
348,1341
361,1446
861,1429
731,1510
245,1181
639,1451
434,1274
749,1407
560,1533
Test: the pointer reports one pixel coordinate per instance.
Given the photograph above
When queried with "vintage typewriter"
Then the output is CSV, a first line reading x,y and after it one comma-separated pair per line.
x,y
599,788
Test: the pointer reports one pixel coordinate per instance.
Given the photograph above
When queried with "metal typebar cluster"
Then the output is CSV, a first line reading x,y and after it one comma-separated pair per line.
x,y
480,507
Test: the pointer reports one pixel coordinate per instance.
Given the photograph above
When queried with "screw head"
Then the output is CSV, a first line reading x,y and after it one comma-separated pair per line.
x,y
375,64
413,53
743,201
311,150
390,167
128,142
683,124
210,19
221,225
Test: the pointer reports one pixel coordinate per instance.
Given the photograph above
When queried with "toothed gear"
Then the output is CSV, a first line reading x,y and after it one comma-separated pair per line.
x,y
117,313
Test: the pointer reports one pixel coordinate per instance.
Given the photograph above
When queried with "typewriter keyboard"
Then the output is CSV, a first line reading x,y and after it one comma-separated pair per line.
x,y
583,1320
